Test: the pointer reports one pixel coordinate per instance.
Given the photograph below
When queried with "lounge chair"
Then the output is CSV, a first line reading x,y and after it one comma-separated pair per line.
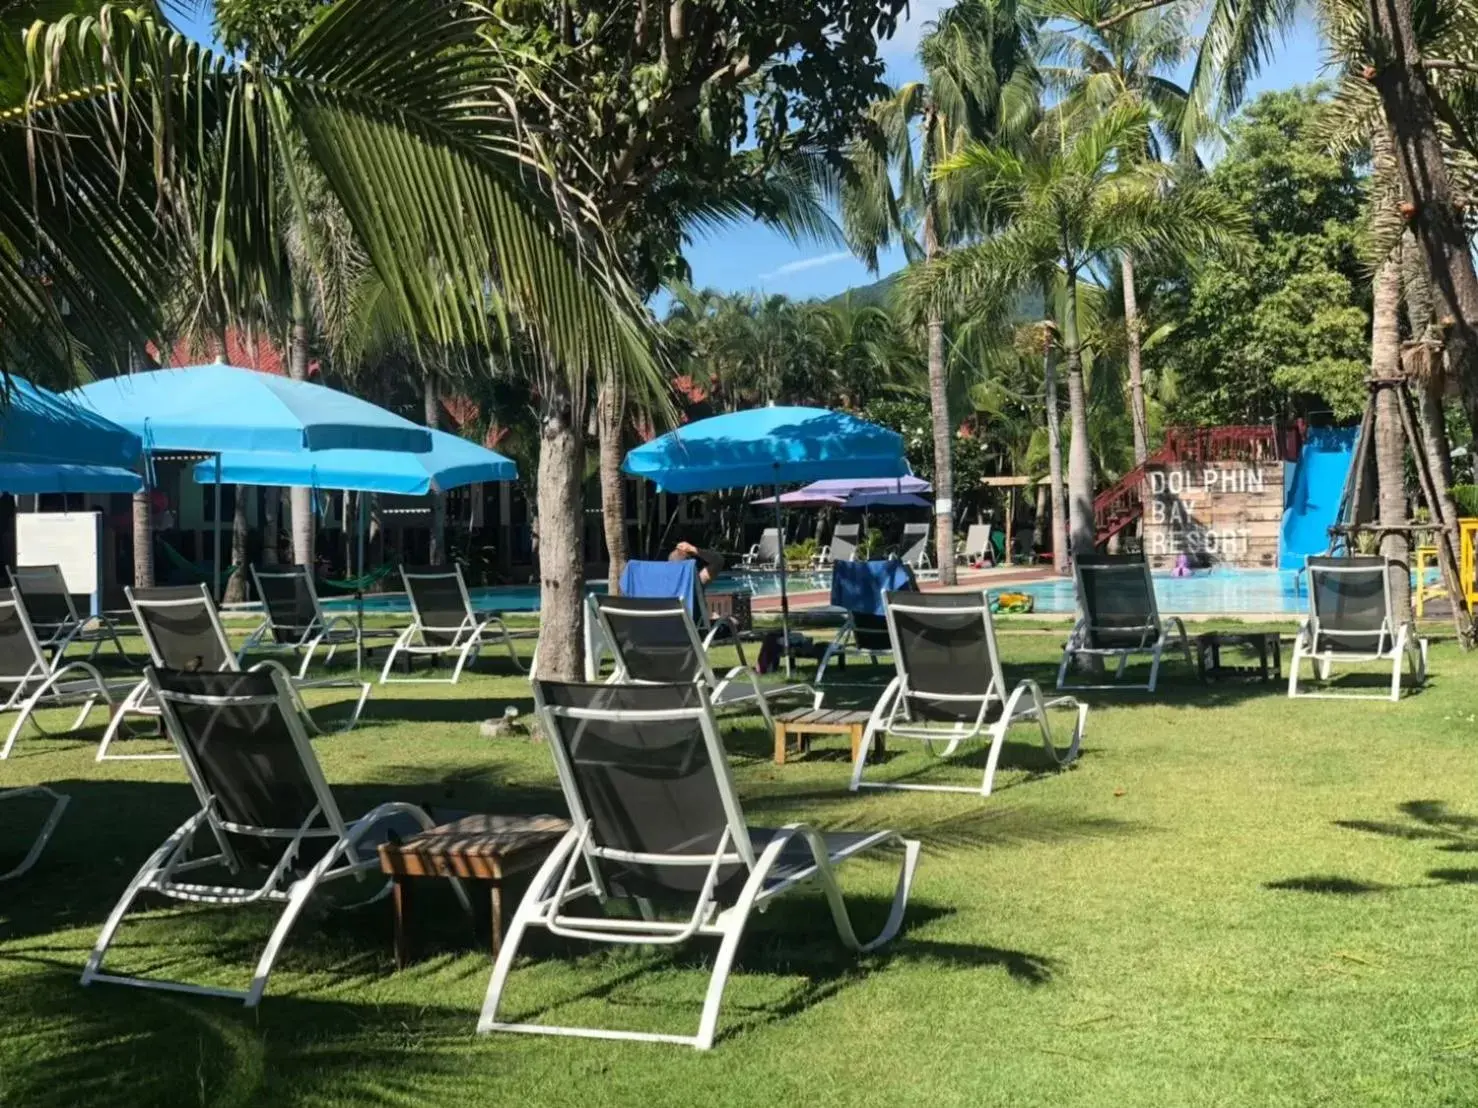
x,y
765,554
294,620
54,614
444,624
950,688
38,844
1120,619
842,548
655,642
977,545
915,549
1351,619
669,580
35,681
181,629
657,819
858,588
264,803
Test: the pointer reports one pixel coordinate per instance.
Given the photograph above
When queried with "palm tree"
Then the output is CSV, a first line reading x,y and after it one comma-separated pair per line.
x,y
1070,204
978,85
448,195
1096,67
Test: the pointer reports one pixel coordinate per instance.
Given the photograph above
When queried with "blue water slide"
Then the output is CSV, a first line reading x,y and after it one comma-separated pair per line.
x,y
1311,491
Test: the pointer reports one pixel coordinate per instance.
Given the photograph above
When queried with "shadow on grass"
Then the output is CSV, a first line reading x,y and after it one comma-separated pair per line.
x,y
1331,884
446,709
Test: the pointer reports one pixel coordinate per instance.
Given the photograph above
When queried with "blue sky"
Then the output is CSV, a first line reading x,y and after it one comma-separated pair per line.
x,y
747,256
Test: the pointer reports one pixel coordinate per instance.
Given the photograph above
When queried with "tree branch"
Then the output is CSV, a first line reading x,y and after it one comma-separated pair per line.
x,y
1130,12
1449,64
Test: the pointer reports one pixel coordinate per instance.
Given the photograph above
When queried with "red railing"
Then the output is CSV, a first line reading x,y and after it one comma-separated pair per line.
x,y
1122,503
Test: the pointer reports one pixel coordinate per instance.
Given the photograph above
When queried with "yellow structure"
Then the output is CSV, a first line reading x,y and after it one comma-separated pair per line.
x,y
1466,562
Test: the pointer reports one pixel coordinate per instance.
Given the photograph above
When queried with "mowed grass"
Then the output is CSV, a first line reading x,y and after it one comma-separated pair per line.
x,y
1233,899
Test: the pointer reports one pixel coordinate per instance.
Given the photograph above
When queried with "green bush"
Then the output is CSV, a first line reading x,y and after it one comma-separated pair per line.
x,y
802,551
1466,497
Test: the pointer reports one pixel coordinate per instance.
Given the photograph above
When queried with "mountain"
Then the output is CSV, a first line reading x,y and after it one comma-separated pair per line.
x,y
879,293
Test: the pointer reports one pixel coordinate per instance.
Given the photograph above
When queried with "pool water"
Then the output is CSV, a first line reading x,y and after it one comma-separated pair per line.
x,y
1207,592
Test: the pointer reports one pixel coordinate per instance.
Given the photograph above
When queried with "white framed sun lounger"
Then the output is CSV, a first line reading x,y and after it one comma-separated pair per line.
x,y
263,798
444,624
293,619
686,841
950,689
1120,620
43,835
1352,621
54,614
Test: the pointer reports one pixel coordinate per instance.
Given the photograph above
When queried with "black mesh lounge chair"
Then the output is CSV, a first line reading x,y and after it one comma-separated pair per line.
x,y
655,642
841,548
54,614
950,687
34,681
444,624
1351,619
294,619
38,844
265,803
656,819
668,579
765,554
858,589
915,547
182,630
1120,618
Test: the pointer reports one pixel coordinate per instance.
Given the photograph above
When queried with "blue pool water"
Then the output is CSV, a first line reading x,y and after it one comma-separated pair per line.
x,y
1207,592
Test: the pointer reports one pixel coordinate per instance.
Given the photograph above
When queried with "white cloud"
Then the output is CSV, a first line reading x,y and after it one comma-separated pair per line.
x,y
803,264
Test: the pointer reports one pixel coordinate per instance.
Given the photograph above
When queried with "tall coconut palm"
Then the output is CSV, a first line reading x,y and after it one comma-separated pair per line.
x,y
978,85
1068,202
1095,67
406,112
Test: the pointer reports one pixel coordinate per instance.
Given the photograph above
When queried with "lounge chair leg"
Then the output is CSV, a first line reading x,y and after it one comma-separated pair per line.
x,y
43,836
874,723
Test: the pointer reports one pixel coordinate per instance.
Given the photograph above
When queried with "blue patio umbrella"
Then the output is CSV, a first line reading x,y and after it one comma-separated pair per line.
x,y
769,446
50,444
211,409
451,463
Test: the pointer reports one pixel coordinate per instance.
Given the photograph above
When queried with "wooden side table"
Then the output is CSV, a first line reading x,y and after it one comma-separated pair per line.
x,y
479,848
802,722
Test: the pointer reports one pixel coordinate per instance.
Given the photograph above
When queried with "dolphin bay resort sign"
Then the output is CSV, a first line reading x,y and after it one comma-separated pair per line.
x,y
1213,512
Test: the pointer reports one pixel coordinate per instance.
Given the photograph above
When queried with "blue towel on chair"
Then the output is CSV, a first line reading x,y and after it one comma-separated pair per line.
x,y
859,586
663,579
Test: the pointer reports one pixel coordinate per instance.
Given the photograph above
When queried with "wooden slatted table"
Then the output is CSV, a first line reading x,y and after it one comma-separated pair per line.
x,y
804,722
481,848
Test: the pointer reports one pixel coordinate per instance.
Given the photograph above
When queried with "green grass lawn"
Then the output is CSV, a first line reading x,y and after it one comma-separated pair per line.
x,y
1233,899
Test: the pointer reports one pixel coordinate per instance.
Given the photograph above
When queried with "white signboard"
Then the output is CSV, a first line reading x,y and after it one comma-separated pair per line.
x,y
67,539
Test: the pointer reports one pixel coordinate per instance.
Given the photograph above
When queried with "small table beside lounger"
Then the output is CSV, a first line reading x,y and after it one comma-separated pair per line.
x,y
1265,644
802,722
480,847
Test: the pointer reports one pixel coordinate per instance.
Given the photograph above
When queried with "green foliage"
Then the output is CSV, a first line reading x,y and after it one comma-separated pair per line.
x,y
801,552
1285,331
1466,498
970,453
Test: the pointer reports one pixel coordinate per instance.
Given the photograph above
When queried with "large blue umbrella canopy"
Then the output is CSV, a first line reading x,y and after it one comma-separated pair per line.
x,y
768,446
213,409
50,444
451,463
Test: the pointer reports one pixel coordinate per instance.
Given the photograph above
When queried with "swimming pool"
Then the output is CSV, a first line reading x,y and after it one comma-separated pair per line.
x,y
1216,591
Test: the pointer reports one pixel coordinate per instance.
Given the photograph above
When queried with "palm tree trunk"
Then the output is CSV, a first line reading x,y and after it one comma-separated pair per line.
x,y
143,539
1039,524
1054,444
1429,381
561,520
944,534
300,500
1079,461
610,421
1136,374
431,409
1411,117
236,583
1390,439
271,503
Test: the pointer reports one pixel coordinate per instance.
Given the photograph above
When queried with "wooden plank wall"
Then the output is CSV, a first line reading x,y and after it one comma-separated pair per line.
x,y
1215,512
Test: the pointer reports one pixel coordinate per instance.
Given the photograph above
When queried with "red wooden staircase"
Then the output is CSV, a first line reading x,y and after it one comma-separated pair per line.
x,y
1122,503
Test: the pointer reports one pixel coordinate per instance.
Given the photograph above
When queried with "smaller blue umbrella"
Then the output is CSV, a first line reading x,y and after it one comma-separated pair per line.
x,y
451,463
50,444
769,446
211,409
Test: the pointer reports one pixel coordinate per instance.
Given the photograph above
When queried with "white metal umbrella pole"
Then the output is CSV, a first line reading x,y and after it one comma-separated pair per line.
x,y
784,596
363,515
216,536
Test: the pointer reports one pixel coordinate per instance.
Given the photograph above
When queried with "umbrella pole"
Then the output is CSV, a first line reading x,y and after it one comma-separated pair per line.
x,y
363,507
784,596
216,535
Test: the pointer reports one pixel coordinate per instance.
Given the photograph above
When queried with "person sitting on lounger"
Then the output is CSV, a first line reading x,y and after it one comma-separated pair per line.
x,y
710,562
